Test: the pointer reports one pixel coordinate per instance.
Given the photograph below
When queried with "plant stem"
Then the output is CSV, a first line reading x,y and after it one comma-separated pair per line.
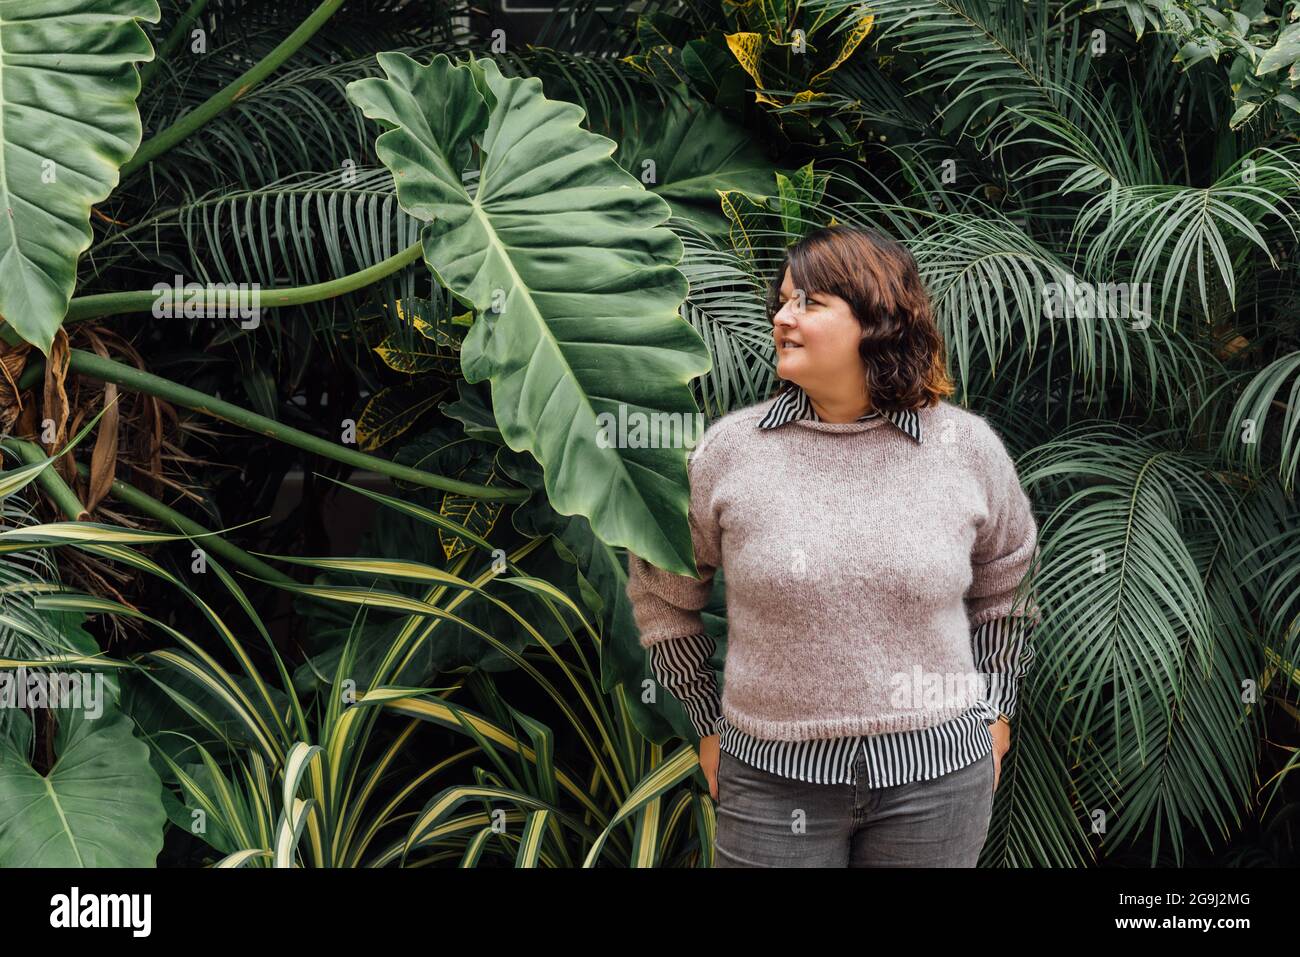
x,y
34,372
117,303
172,42
147,504
216,104
106,370
49,480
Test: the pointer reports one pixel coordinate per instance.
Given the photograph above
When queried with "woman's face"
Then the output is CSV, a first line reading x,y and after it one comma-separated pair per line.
x,y
816,337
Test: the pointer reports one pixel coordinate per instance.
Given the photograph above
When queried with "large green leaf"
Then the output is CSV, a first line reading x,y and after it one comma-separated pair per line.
x,y
68,121
687,153
563,255
100,805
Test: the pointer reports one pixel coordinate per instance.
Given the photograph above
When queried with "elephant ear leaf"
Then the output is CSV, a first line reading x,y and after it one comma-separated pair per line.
x,y
564,256
68,121
99,806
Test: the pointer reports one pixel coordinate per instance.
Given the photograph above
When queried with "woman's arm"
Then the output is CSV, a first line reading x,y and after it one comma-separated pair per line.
x,y
666,608
666,605
1004,552
1006,545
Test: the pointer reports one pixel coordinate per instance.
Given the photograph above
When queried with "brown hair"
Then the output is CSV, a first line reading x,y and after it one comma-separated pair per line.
x,y
878,278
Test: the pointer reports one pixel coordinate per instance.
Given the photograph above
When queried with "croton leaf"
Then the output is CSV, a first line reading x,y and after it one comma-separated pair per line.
x,y
68,121
748,48
563,255
857,33
393,410
424,342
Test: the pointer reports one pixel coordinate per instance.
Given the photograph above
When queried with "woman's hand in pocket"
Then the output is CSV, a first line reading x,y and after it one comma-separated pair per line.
x,y
710,751
1000,732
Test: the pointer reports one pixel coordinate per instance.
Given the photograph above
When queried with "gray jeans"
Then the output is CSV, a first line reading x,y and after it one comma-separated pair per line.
x,y
766,820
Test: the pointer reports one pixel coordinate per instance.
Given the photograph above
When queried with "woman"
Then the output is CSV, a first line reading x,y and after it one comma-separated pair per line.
x,y
874,539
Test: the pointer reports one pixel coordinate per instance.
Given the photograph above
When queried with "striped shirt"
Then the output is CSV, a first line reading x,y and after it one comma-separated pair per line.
x,y
1002,650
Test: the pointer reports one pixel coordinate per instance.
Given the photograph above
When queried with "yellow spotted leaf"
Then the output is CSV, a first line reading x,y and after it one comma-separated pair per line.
x,y
392,411
475,514
746,218
435,349
637,62
746,47
851,43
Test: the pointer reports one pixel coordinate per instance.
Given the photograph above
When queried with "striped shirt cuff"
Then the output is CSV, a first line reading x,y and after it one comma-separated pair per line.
x,y
1003,651
681,665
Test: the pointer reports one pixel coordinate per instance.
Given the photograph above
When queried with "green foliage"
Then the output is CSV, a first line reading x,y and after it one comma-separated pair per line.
x,y
590,242
68,121
1259,41
99,806
597,221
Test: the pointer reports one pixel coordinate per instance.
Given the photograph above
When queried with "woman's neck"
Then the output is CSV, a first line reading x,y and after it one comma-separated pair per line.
x,y
839,408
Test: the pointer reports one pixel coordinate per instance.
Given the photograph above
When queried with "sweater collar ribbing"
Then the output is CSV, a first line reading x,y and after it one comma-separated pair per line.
x,y
794,404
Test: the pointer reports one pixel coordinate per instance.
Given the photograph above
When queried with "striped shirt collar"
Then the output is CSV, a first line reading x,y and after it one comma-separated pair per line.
x,y
794,404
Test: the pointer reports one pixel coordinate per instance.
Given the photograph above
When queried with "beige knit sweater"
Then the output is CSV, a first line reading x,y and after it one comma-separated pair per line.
x,y
856,568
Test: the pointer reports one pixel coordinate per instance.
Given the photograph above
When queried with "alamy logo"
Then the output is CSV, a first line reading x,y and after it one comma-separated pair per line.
x,y
933,690
193,300
648,430
81,690
1107,300
102,910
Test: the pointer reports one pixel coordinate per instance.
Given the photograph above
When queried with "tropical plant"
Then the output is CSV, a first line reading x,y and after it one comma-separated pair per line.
x,y
233,221
341,748
463,263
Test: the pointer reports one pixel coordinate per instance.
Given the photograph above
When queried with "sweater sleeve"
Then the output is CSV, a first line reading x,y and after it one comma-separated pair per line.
x,y
667,605
1006,545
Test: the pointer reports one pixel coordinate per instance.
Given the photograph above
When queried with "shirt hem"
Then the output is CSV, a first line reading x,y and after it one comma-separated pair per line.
x,y
814,729
921,766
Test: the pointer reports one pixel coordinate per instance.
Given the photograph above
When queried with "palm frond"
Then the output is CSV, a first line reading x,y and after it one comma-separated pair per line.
x,y
1245,434
986,57
307,228
1171,231
726,306
1138,568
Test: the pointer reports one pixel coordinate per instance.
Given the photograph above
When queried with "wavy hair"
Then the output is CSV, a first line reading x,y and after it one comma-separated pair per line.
x,y
878,278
